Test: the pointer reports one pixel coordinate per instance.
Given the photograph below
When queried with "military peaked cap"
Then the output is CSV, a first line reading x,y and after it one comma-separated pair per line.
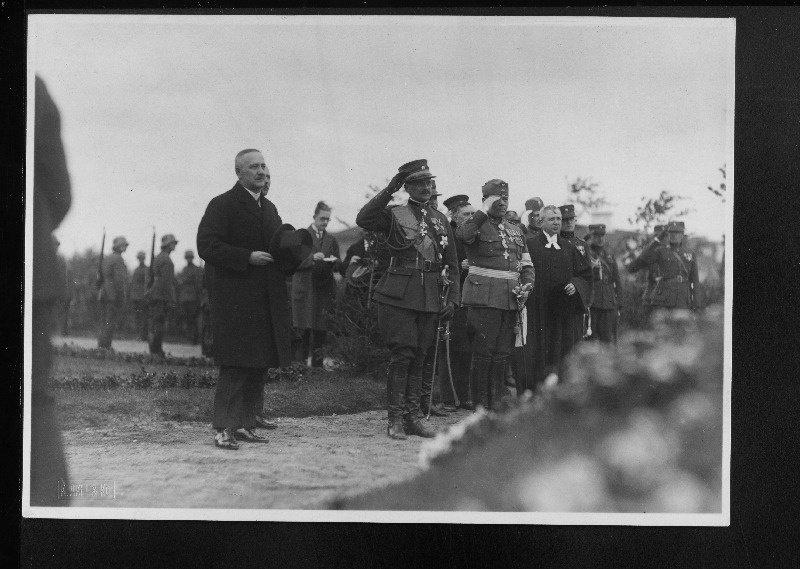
x,y
453,202
676,226
534,204
416,170
567,211
597,228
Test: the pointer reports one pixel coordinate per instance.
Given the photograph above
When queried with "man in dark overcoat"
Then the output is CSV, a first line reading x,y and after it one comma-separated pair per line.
x,y
249,307
314,288
561,291
52,196
409,292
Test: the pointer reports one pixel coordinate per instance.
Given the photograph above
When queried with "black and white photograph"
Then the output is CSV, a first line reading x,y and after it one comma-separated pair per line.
x,y
383,268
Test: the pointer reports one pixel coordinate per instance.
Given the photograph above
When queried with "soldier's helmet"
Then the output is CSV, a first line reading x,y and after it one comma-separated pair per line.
x,y
167,240
141,255
119,243
189,254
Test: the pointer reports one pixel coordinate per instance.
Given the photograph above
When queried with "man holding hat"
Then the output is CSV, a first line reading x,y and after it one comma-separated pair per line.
x,y
410,293
500,278
563,286
252,253
677,284
161,295
138,301
606,287
190,289
113,292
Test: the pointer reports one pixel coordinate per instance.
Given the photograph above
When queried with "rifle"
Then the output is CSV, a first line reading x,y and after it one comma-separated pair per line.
x,y
100,276
151,275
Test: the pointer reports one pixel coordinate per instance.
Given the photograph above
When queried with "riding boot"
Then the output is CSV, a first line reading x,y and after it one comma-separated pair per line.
x,y
479,379
497,387
395,393
425,392
411,423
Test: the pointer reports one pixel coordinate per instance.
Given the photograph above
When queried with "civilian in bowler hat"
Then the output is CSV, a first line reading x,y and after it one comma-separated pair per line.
x,y
408,294
606,295
242,236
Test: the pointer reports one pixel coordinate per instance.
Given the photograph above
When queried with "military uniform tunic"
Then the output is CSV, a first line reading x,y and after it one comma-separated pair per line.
x,y
604,300
583,248
112,297
676,281
161,295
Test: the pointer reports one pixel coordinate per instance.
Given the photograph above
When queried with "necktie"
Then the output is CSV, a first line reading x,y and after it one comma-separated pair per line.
x,y
552,241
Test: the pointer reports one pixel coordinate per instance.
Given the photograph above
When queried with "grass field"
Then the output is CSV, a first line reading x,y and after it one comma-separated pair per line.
x,y
319,393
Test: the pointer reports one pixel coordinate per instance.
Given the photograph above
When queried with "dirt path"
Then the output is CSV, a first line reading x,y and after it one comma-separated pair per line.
x,y
307,463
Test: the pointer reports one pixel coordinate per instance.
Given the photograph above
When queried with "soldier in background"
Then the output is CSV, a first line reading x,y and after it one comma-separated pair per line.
x,y
659,239
138,302
606,287
534,207
408,294
190,289
676,281
568,223
500,278
161,296
113,292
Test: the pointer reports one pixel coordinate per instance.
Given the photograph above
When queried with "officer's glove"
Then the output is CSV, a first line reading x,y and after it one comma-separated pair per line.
x,y
447,312
397,182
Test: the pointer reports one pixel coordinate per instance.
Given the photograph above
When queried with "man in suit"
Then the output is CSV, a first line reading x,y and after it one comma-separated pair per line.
x,y
113,292
242,236
409,292
161,296
314,288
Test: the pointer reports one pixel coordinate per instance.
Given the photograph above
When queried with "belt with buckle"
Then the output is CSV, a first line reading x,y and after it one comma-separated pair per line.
x,y
425,266
678,278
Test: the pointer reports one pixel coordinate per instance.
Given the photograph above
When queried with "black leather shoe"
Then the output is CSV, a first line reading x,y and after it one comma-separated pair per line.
x,y
415,427
249,435
265,423
225,439
395,429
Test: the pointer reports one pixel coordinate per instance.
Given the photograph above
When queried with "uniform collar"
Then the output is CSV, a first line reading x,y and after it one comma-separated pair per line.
x,y
567,234
415,203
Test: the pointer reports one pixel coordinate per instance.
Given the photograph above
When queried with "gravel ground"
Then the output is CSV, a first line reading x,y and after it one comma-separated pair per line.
x,y
307,463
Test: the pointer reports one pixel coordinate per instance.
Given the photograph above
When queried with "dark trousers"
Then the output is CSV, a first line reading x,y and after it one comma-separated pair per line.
x,y
206,333
110,315
140,318
190,311
157,316
408,334
312,342
48,474
604,325
493,331
239,395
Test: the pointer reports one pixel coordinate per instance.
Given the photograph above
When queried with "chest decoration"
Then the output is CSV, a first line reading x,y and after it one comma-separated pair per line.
x,y
501,229
443,242
687,256
597,265
581,249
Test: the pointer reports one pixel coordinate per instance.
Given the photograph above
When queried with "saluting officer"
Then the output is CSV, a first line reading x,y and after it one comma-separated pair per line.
x,y
534,207
606,287
677,284
408,294
639,264
500,276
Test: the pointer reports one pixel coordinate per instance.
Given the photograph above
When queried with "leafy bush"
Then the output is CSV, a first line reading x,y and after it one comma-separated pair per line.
x,y
355,342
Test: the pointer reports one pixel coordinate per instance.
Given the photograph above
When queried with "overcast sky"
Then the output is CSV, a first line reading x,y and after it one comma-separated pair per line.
x,y
154,109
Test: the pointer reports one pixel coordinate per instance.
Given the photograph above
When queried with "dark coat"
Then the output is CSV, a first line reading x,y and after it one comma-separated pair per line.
x,y
551,313
190,284
249,307
51,195
606,285
163,288
674,272
115,279
313,285
138,282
